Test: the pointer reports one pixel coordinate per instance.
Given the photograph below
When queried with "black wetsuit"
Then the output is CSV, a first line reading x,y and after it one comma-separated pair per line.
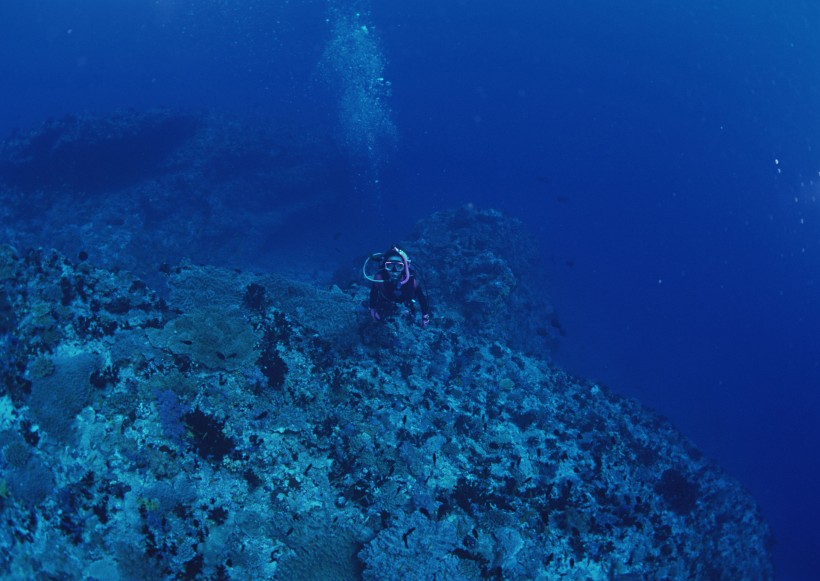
x,y
385,296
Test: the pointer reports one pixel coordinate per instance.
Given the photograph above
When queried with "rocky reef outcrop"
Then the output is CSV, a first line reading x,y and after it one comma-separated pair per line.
x,y
481,268
252,427
136,188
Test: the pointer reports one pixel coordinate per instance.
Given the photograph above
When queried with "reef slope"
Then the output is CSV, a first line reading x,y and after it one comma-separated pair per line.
x,y
251,427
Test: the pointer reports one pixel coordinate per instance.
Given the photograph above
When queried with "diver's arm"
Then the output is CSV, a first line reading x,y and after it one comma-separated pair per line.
x,y
424,303
374,303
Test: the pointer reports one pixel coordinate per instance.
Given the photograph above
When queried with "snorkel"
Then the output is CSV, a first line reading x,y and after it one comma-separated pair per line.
x,y
380,256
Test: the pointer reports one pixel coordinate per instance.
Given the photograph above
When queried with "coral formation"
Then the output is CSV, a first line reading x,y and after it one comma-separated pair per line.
x,y
203,186
93,154
252,427
481,269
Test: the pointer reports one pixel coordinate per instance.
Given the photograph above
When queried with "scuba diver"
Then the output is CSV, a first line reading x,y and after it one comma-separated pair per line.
x,y
394,283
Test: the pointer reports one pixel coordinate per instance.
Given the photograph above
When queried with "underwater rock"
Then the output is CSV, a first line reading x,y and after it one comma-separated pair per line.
x,y
482,268
91,154
428,451
204,186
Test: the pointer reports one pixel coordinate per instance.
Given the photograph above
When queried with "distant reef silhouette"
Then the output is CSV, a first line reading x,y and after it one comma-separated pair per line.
x,y
145,187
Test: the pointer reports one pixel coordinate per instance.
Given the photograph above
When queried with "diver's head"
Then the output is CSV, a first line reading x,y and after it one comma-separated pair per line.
x,y
394,265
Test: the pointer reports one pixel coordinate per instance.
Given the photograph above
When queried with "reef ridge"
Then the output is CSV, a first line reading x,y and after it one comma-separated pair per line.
x,y
246,426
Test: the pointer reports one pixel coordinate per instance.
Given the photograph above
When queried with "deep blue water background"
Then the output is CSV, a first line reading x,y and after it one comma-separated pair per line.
x,y
666,155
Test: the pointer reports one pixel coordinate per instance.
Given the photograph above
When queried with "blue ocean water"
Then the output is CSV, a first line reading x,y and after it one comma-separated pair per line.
x,y
665,154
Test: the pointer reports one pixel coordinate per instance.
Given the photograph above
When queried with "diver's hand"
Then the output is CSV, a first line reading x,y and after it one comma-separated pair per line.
x,y
374,314
425,320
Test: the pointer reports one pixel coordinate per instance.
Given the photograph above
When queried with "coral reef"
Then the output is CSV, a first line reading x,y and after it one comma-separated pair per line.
x,y
92,154
137,189
481,268
252,427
